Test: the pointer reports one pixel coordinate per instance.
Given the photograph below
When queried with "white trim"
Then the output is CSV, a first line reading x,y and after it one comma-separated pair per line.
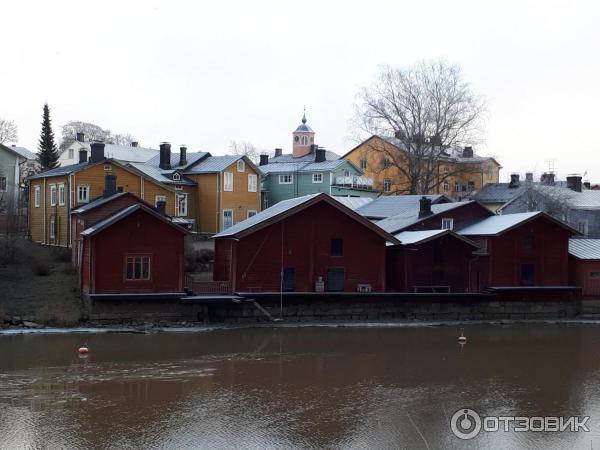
x,y
53,195
181,208
252,186
283,177
159,197
176,177
223,214
37,194
314,175
83,198
228,181
61,198
447,223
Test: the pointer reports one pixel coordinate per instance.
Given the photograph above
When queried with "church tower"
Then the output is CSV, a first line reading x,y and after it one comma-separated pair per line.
x,y
303,137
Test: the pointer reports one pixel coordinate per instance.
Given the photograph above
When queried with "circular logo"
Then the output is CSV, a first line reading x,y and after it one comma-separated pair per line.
x,y
465,423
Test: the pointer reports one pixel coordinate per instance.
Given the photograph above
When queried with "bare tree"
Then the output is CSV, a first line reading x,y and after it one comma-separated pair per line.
x,y
426,110
245,148
552,200
92,132
8,131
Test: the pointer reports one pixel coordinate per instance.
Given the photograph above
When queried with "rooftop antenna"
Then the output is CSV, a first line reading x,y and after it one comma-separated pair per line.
x,y
551,164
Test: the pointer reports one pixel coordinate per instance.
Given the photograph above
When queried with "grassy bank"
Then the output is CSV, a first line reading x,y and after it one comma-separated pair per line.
x,y
37,284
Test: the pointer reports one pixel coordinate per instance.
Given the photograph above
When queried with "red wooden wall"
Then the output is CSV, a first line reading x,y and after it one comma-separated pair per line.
x,y
138,234
303,241
579,275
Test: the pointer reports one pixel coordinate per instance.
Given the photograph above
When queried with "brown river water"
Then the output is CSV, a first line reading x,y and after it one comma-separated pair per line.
x,y
298,387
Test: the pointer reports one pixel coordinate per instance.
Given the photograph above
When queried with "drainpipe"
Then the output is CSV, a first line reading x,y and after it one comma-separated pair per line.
x,y
45,218
469,269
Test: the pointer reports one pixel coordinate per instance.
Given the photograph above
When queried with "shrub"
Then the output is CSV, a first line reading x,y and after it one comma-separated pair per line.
x,y
58,318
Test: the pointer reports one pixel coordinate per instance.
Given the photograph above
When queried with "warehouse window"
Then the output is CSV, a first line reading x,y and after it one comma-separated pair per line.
x,y
137,268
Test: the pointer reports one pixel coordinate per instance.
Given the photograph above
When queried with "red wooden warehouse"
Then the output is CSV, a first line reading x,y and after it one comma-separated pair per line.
x,y
133,251
305,244
584,265
525,249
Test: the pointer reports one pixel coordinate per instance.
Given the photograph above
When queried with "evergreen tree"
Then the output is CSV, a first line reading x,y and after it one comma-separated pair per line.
x,y
47,151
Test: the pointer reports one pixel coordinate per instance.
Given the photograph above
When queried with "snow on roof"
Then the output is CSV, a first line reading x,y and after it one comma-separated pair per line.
x,y
310,157
125,153
61,170
390,205
497,224
414,237
99,201
190,158
396,223
354,203
23,152
585,248
214,164
498,192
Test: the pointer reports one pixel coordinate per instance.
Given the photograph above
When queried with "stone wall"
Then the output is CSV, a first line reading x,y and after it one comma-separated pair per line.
x,y
310,307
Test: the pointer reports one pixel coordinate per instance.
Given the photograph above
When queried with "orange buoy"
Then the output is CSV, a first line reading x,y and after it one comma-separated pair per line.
x,y
462,338
83,350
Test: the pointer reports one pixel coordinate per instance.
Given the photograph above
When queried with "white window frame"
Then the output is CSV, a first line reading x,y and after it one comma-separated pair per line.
x,y
52,227
446,186
223,214
303,140
228,181
387,185
53,195
182,206
178,187
363,164
138,260
158,198
176,177
252,182
317,177
37,195
83,198
241,165
250,213
61,194
447,223
286,178
457,187
71,153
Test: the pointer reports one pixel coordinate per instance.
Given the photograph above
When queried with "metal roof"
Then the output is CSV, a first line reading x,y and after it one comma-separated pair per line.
x,y
281,167
497,224
287,205
310,157
585,248
353,203
22,152
191,158
498,193
125,153
417,237
390,205
99,201
160,175
62,170
98,227
400,221
214,164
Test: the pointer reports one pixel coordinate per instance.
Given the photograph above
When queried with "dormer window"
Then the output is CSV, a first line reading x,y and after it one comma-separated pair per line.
x,y
176,177
241,165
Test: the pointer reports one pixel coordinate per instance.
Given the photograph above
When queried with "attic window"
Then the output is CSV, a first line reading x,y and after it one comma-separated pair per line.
x,y
241,165
107,168
176,177
447,224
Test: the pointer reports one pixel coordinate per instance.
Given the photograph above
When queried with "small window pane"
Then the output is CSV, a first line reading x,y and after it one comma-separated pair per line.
x,y
337,247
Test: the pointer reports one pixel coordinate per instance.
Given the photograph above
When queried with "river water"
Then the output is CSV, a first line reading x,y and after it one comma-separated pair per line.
x,y
304,387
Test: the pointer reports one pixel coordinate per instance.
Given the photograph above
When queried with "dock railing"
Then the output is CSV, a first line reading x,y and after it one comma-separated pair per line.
x,y
207,287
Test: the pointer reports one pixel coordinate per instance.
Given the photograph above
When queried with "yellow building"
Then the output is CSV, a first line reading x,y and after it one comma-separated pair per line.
x,y
201,192
459,172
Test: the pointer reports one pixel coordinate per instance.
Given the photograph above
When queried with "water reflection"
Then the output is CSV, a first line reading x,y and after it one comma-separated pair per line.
x,y
296,387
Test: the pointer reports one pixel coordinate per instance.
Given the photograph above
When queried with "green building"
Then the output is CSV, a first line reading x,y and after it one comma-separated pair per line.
x,y
310,170
16,163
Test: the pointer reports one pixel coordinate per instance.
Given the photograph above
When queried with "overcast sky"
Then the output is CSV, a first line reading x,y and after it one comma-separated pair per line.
x,y
207,73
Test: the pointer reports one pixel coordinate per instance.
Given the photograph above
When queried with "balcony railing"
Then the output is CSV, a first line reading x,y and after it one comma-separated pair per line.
x,y
353,182
207,287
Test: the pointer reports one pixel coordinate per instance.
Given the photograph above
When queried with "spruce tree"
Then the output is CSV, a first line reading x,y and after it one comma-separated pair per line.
x,y
47,151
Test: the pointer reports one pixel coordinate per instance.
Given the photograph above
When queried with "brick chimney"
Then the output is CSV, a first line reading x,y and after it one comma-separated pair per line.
x,y
134,143
529,177
547,178
97,153
165,156
264,159
514,181
320,155
424,207
182,155
467,152
278,152
574,182
80,137
82,155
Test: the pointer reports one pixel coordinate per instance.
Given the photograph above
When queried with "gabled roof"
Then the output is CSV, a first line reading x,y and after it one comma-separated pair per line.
x,y
421,237
161,175
390,205
100,201
302,164
20,151
585,248
310,157
496,225
408,218
111,220
124,153
290,207
63,170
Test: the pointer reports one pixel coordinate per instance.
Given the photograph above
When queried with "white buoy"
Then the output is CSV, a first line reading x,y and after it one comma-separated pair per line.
x,y
462,339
